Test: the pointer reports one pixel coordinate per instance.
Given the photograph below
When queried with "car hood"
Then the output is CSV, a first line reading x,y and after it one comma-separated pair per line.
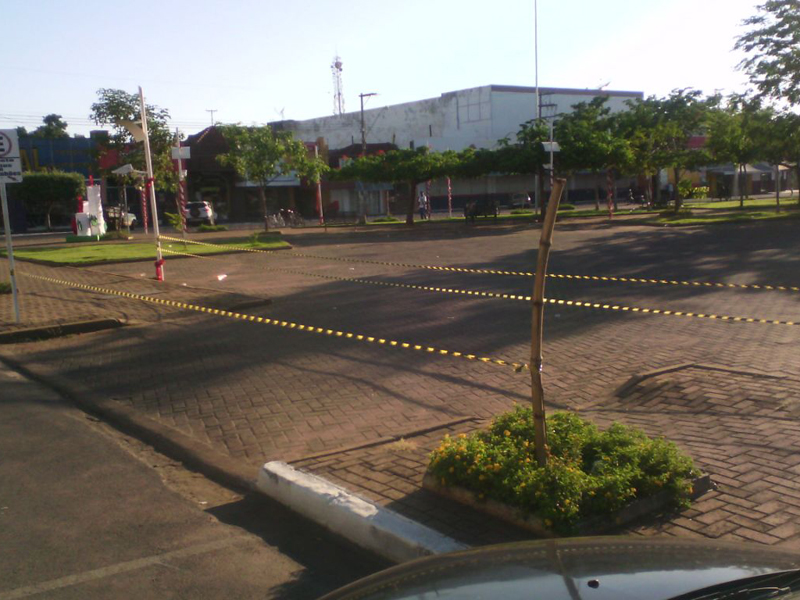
x,y
580,568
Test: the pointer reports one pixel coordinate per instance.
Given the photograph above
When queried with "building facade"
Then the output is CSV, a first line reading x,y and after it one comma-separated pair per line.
x,y
476,117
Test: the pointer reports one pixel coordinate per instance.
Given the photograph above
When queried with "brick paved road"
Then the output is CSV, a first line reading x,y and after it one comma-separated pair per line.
x,y
257,392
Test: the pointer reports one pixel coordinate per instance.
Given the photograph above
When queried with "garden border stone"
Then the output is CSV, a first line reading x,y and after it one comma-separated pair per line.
x,y
633,511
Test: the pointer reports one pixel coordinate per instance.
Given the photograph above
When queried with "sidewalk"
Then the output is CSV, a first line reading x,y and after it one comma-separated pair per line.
x,y
80,517
743,429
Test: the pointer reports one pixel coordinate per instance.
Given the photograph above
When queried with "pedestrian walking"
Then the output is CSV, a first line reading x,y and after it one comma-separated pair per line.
x,y
422,205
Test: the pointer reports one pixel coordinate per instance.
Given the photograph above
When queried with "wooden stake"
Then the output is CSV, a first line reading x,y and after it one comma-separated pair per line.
x,y
537,324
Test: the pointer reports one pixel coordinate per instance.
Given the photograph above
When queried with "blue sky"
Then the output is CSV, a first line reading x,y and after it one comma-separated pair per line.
x,y
254,61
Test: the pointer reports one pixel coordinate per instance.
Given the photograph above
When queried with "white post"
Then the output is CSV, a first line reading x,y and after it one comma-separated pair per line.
x,y
9,250
151,185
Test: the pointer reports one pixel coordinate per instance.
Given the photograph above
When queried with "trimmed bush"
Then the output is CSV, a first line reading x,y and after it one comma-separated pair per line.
x,y
386,219
5,287
589,473
566,207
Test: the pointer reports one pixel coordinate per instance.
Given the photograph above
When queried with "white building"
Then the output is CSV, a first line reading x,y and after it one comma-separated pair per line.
x,y
476,117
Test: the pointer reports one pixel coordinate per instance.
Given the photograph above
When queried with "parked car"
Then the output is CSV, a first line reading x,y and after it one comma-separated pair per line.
x,y
520,200
598,568
200,212
483,207
117,218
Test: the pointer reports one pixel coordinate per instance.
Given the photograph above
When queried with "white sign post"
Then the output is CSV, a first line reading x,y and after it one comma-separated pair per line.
x,y
10,172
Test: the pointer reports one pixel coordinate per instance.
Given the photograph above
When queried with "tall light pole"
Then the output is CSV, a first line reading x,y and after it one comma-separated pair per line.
x,y
212,111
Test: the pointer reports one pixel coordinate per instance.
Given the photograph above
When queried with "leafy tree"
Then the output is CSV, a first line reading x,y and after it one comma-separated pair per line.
x,y
590,139
658,131
405,167
780,140
526,155
116,107
773,46
50,191
22,132
262,154
54,128
737,135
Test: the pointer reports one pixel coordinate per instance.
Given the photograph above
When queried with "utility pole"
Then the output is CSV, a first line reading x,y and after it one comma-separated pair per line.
x,y
212,111
362,212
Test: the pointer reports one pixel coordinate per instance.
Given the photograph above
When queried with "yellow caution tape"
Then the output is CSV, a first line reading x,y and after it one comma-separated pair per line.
x,y
288,324
603,278
520,297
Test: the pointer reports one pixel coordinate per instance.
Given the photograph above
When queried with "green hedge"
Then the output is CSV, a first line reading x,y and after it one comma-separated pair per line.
x,y
51,193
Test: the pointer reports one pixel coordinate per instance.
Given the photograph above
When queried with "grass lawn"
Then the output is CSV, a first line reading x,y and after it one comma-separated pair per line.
x,y
748,203
712,218
92,254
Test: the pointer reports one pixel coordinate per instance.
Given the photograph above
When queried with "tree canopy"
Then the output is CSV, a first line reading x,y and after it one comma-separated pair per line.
x,y
261,154
52,191
772,44
114,107
54,128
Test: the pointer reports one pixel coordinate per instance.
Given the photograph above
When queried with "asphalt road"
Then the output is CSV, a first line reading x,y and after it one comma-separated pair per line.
x,y
87,513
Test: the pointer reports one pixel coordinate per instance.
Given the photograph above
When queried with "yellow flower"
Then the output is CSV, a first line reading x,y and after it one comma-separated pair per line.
x,y
548,523
506,433
463,436
481,478
526,443
458,457
452,469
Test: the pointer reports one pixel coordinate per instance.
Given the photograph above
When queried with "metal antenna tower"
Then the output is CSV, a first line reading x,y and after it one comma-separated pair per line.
x,y
338,92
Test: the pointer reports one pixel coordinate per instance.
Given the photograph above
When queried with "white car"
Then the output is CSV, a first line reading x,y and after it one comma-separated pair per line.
x,y
200,212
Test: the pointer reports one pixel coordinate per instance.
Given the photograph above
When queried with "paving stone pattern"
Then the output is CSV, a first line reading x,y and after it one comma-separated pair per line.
x,y
257,392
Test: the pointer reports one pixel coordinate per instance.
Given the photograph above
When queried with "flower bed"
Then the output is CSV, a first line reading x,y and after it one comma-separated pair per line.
x,y
590,477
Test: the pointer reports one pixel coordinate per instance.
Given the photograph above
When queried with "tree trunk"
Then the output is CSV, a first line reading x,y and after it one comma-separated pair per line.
x,y
596,192
741,188
537,325
797,175
263,197
540,193
47,218
676,173
412,201
777,188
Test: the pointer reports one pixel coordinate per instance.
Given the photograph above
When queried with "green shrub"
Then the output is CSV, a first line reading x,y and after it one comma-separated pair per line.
x,y
566,207
521,211
175,221
386,219
589,473
700,192
5,287
207,228
45,194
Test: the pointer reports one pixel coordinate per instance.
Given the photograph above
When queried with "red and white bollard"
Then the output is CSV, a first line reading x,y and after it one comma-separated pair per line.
x,y
160,269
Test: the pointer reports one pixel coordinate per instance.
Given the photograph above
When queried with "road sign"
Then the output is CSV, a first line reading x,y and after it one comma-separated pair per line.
x,y
182,153
10,164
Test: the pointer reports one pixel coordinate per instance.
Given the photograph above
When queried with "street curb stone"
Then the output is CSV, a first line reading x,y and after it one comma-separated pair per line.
x,y
368,525
46,332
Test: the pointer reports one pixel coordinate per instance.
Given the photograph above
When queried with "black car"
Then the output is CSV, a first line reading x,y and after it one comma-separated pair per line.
x,y
482,207
601,568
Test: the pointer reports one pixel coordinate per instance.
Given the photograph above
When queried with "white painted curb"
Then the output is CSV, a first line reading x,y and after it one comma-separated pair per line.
x,y
378,529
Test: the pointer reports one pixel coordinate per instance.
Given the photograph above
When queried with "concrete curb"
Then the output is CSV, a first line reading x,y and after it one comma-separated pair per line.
x,y
368,525
46,332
